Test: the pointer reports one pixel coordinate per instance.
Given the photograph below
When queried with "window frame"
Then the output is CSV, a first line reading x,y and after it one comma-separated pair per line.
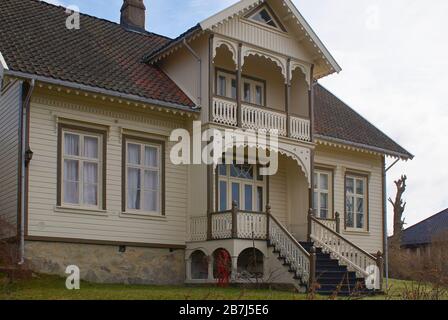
x,y
357,177
279,26
252,81
254,183
317,192
143,142
82,131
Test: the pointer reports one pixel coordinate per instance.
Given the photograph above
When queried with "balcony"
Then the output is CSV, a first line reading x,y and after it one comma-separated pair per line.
x,y
225,111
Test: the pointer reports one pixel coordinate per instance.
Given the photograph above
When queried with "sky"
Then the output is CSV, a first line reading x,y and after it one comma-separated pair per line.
x,y
394,57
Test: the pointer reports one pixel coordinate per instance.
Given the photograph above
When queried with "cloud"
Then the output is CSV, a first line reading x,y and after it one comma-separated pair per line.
x,y
395,75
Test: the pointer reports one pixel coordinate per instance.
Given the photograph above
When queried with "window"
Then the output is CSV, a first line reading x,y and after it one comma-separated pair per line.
x,y
252,91
243,184
264,15
143,176
81,175
356,202
323,194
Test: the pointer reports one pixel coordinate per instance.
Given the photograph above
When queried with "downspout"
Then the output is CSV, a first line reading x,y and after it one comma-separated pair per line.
x,y
198,58
386,240
24,146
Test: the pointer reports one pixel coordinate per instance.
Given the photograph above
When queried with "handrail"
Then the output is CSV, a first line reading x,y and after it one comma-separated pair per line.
x,y
300,261
343,249
346,240
290,236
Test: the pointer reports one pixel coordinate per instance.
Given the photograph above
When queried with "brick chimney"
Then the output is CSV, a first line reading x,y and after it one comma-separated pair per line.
x,y
133,15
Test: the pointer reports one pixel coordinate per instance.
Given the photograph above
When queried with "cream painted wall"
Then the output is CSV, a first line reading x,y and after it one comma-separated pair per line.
x,y
342,161
183,68
45,220
10,102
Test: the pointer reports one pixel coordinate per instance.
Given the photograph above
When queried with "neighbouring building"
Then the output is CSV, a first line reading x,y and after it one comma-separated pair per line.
x,y
419,238
86,176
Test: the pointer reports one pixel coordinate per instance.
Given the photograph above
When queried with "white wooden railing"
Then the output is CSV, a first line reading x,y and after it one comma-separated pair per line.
x,y
198,228
333,224
257,118
222,225
342,249
290,249
252,225
225,112
300,129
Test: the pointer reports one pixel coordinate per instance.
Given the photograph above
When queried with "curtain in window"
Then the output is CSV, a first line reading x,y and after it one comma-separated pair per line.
x,y
151,157
134,188
71,144
151,190
90,190
71,182
91,147
134,153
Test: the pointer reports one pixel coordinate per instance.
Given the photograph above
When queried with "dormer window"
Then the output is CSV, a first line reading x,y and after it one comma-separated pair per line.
x,y
264,15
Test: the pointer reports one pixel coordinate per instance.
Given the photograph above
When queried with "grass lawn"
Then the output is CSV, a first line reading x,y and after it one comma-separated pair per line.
x,y
53,288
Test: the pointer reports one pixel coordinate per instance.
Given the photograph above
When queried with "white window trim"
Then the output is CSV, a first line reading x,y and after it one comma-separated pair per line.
x,y
81,159
356,197
255,183
142,168
318,191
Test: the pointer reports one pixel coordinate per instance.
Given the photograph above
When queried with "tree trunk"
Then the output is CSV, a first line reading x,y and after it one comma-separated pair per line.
x,y
399,207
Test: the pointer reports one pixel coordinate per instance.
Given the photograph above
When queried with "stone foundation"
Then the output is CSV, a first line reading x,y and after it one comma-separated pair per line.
x,y
105,264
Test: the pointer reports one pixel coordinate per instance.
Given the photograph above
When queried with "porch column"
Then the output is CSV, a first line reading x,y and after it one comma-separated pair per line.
x,y
311,115
209,200
211,69
288,97
188,267
239,84
234,268
211,262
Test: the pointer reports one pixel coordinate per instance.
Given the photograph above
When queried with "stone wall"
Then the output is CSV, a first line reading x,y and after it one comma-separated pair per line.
x,y
105,264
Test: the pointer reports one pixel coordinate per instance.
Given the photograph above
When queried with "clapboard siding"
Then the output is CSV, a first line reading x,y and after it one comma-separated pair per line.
x,y
249,32
46,220
10,102
278,194
343,161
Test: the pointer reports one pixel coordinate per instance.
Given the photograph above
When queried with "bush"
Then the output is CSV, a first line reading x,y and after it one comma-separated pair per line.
x,y
430,265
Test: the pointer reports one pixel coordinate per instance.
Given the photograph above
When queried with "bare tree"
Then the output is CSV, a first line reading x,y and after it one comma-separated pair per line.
x,y
399,207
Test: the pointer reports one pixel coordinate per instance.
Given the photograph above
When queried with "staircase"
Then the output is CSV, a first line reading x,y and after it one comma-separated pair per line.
x,y
320,271
333,278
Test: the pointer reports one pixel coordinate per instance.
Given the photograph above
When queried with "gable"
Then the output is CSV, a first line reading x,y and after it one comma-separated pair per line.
x,y
297,40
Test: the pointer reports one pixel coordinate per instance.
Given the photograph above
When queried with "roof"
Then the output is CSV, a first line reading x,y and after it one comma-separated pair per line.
x,y
335,120
101,54
425,231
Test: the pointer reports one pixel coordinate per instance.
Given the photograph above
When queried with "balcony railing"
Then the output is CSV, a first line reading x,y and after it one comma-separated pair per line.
x,y
232,224
225,111
256,118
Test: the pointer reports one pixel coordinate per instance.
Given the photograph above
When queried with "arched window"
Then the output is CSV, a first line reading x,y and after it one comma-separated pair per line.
x,y
250,263
199,265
